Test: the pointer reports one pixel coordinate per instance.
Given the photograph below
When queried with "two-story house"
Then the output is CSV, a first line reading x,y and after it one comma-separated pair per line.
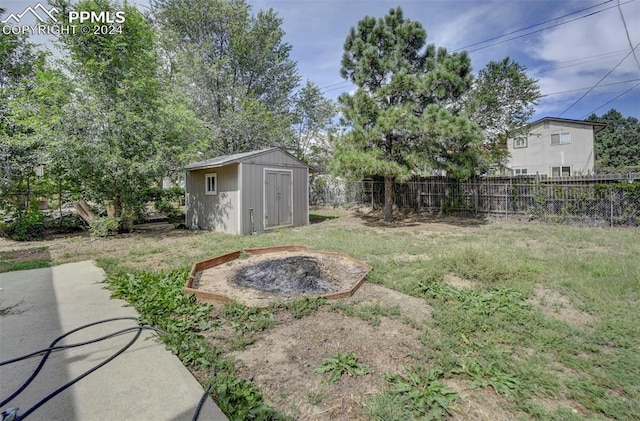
x,y
557,147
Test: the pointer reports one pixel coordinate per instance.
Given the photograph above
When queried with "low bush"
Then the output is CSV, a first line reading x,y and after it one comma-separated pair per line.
x,y
27,226
103,226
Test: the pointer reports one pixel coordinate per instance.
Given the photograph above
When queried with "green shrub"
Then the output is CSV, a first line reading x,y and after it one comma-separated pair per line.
x,y
103,226
28,226
175,215
174,193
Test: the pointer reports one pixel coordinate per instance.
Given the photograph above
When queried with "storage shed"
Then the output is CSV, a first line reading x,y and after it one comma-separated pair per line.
x,y
248,192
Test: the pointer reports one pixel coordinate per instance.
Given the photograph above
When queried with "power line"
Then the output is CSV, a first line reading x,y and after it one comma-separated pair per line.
x,y
598,83
545,28
339,87
582,89
624,23
346,83
333,84
578,62
611,100
531,26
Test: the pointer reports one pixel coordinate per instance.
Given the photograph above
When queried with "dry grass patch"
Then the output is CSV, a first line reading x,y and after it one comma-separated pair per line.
x,y
476,404
413,308
458,282
559,307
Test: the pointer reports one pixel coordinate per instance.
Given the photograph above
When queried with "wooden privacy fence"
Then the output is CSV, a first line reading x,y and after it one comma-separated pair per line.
x,y
597,200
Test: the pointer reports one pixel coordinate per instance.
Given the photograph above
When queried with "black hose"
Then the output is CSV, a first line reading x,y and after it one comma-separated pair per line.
x,y
69,346
77,379
203,399
47,353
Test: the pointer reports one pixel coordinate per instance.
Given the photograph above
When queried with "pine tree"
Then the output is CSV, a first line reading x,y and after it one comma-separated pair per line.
x,y
405,117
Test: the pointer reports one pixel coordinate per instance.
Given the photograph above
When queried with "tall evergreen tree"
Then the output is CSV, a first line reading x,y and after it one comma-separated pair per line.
x,y
405,115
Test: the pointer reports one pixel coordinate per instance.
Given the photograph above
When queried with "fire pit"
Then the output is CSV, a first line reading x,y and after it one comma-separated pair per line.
x,y
260,276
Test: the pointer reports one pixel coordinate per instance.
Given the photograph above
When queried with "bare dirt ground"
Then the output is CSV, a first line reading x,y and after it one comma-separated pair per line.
x,y
555,305
282,361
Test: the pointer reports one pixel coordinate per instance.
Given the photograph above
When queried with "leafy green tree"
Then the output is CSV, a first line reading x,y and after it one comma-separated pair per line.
x,y
617,145
501,102
404,118
21,142
313,122
125,128
235,66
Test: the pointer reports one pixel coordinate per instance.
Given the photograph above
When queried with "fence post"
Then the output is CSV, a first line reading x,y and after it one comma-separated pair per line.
x,y
611,201
506,200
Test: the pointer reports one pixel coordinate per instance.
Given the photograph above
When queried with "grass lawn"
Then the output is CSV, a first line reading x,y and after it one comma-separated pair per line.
x,y
526,320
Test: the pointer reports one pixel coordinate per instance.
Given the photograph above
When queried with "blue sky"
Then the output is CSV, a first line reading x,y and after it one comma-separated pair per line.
x,y
567,59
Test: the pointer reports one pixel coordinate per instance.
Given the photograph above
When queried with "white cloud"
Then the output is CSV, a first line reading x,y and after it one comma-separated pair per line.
x,y
581,53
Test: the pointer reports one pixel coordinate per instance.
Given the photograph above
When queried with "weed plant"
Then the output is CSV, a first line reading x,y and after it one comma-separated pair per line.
x,y
159,299
418,394
340,364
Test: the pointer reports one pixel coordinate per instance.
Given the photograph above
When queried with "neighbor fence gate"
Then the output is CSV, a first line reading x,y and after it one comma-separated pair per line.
x,y
592,200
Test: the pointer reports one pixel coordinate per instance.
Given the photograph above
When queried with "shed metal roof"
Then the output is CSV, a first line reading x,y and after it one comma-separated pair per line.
x,y
219,161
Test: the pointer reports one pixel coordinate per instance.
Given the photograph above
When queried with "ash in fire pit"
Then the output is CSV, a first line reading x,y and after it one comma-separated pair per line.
x,y
291,275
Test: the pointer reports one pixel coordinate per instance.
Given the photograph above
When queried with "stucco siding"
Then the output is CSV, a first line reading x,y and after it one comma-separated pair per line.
x,y
217,212
540,155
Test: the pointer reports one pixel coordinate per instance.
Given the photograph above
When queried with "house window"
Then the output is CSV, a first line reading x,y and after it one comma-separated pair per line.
x,y
520,142
561,171
521,171
561,138
211,183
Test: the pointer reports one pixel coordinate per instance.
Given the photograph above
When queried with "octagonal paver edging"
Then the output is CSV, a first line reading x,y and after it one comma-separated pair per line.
x,y
219,299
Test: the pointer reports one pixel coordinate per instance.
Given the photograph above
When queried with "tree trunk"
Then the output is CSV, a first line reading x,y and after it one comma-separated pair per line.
x,y
117,205
388,198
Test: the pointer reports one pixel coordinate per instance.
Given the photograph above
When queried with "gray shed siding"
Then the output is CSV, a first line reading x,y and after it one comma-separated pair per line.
x,y
241,188
213,212
252,193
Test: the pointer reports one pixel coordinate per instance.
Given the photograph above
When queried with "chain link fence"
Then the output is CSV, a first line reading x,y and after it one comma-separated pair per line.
x,y
596,200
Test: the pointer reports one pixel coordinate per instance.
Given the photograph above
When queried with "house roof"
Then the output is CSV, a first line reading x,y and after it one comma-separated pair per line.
x,y
220,161
596,126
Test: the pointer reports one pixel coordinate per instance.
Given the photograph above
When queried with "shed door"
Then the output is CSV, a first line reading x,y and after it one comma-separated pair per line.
x,y
278,199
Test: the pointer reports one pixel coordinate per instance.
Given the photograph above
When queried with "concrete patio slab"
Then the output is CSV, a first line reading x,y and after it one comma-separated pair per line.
x,y
146,382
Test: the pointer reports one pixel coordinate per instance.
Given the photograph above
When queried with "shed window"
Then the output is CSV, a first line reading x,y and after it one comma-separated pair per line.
x,y
521,171
211,183
561,138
